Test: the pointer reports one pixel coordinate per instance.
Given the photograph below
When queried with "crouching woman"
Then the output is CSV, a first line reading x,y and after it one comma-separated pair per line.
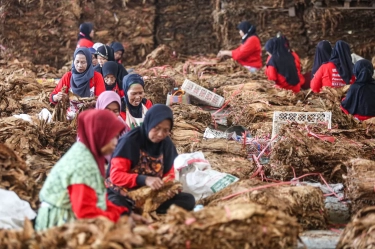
x,y
75,187
144,157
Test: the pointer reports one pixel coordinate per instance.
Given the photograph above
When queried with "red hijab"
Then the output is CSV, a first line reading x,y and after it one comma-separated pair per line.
x,y
96,128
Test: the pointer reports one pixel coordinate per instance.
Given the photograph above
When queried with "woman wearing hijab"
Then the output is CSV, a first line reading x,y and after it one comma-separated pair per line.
x,y
85,36
105,53
337,72
119,50
110,71
249,53
75,189
145,157
281,66
136,106
359,100
322,55
82,80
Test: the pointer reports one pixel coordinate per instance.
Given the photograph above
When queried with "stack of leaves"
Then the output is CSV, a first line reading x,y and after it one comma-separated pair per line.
x,y
306,203
359,183
43,38
15,176
186,26
240,225
128,22
301,150
350,25
189,125
359,233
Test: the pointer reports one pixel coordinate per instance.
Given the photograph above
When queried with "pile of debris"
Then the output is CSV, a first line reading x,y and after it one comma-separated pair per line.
x,y
306,203
228,227
359,232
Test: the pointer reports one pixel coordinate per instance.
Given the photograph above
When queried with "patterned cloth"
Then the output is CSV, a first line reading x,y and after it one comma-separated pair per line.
x,y
77,166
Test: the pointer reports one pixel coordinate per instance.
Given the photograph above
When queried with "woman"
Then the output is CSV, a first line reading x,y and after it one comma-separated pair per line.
x,y
94,61
85,36
119,50
75,189
105,53
249,53
360,101
135,103
110,71
337,72
322,55
82,81
144,157
281,66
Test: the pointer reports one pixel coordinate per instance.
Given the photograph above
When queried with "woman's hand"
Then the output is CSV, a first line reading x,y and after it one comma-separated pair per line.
x,y
170,194
220,54
154,183
57,97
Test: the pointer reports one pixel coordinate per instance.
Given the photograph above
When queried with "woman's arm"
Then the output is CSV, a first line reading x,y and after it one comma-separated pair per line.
x,y
316,82
84,204
120,174
64,81
99,84
271,73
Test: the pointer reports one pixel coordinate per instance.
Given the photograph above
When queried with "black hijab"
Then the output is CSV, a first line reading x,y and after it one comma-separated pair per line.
x,y
131,79
85,30
137,139
117,46
322,55
282,60
360,97
248,29
110,67
343,60
108,53
80,82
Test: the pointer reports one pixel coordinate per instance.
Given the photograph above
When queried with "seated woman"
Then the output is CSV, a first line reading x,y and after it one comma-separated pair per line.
x,y
119,51
145,157
359,100
85,36
281,66
82,80
249,53
322,55
110,69
136,106
75,189
105,53
337,72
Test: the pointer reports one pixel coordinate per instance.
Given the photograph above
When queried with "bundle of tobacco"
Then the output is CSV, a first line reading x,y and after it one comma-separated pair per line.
x,y
228,227
306,203
359,184
359,233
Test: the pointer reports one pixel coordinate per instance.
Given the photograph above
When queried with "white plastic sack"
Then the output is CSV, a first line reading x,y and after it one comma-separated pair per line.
x,y
45,115
13,210
25,117
197,177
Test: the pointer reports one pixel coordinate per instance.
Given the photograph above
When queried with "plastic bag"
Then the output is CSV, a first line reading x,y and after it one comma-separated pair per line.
x,y
197,176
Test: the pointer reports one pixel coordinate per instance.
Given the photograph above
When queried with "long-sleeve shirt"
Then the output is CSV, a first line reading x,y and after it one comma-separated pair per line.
x,y
249,53
84,204
327,75
120,174
83,42
96,82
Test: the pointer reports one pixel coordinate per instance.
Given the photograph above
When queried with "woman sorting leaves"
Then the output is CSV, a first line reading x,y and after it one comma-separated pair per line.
x,y
359,100
136,106
75,189
82,81
322,55
119,51
249,53
145,157
85,36
104,54
281,66
110,70
337,72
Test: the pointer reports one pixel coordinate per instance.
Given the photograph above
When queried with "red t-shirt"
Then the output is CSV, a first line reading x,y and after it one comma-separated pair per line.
x,y
96,81
249,53
83,42
280,80
327,75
